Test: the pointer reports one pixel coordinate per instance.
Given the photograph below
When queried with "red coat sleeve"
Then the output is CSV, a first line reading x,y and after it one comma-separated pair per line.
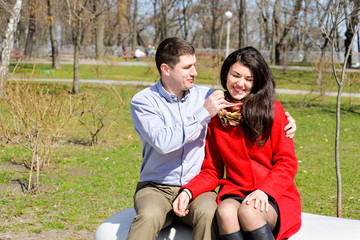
x,y
211,171
281,176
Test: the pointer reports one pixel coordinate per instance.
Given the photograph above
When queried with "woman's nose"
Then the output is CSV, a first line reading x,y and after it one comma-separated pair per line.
x,y
240,82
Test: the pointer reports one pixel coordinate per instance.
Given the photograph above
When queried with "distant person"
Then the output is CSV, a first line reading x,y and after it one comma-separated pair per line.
x,y
124,46
171,120
149,51
153,50
249,156
137,54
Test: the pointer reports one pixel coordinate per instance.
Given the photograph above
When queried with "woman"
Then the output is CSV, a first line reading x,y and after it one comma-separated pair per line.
x,y
257,197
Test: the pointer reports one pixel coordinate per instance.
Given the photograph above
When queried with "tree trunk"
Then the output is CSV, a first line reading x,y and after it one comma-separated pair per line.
x,y
164,19
349,36
185,21
77,41
213,33
337,150
21,34
100,30
266,36
338,112
156,22
30,39
133,25
54,44
358,41
280,56
9,35
282,32
275,36
242,24
321,63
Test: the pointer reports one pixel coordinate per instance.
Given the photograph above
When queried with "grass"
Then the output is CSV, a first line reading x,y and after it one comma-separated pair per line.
x,y
102,72
208,73
314,144
86,184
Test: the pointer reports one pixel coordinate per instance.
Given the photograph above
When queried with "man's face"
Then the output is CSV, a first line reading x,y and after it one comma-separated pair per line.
x,y
181,78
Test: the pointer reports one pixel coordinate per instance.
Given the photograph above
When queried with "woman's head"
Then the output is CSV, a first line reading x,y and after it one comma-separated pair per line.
x,y
247,77
239,81
250,61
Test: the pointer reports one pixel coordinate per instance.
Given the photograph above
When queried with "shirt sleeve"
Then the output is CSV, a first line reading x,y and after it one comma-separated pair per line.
x,y
212,169
151,123
285,164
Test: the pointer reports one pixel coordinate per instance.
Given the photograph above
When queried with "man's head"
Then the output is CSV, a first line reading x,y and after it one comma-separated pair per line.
x,y
175,60
170,50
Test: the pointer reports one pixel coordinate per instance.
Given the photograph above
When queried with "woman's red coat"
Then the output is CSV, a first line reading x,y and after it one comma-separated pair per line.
x,y
271,168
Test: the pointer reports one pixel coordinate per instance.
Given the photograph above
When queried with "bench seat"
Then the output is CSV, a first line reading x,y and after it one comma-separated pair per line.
x,y
314,227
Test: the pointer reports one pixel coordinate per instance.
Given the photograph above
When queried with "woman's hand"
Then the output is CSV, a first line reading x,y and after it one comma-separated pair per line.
x,y
180,204
261,200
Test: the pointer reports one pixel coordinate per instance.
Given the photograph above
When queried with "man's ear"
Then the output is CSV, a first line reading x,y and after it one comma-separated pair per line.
x,y
165,69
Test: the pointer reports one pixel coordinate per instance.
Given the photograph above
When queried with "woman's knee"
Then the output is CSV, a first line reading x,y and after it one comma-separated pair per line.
x,y
248,211
226,210
250,217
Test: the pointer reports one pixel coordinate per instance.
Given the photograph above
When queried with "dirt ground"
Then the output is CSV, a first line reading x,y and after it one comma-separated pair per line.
x,y
22,234
49,235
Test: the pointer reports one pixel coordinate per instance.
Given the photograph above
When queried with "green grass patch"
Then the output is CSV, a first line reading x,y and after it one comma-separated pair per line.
x,y
102,72
208,73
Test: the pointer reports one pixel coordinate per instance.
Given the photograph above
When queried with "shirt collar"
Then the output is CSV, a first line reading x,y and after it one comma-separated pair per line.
x,y
170,97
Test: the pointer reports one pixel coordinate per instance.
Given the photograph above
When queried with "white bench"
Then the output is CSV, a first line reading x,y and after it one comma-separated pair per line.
x,y
314,227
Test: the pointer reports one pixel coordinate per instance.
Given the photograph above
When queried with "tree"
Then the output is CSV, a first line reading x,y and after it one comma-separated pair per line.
x,y
186,10
325,24
242,22
54,43
118,27
168,14
337,12
100,28
30,38
133,26
304,34
351,21
211,18
77,7
4,68
282,31
264,25
80,17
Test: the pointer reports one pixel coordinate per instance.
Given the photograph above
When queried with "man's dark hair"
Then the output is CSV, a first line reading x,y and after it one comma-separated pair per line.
x,y
170,50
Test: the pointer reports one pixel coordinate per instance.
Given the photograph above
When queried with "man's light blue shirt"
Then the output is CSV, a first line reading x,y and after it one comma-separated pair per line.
x,y
172,133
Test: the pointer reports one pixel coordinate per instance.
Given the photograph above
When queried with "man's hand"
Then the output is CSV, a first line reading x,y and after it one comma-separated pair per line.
x,y
180,204
290,129
215,102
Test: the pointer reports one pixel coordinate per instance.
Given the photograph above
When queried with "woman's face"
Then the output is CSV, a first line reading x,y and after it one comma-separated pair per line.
x,y
240,81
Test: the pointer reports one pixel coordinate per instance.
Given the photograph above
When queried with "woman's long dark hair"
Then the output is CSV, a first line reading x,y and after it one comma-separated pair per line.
x,y
258,106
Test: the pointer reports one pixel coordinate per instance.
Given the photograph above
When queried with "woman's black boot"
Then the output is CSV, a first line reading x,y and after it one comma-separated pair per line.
x,y
262,233
232,236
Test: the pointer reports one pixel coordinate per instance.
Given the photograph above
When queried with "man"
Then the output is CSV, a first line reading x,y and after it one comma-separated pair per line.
x,y
171,120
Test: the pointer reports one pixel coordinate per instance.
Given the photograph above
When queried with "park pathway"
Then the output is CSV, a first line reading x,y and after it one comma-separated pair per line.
x,y
117,82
